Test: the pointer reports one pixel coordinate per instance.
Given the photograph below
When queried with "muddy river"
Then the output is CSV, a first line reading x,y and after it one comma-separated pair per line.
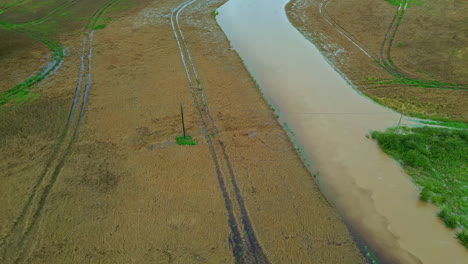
x,y
330,121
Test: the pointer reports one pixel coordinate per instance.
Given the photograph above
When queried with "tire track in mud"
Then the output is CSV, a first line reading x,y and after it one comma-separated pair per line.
x,y
18,241
10,5
330,20
58,53
385,49
383,59
244,243
48,15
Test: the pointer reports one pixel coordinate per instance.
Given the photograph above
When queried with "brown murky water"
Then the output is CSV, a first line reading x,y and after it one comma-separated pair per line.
x,y
330,121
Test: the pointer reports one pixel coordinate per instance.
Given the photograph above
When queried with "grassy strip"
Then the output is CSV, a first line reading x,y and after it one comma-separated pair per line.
x,y
21,91
436,159
431,113
446,123
97,16
423,83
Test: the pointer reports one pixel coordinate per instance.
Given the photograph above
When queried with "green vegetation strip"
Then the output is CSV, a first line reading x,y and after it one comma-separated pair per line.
x,y
423,83
446,123
437,160
91,25
21,91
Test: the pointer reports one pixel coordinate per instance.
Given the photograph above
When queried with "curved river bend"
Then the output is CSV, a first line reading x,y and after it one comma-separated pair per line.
x,y
330,121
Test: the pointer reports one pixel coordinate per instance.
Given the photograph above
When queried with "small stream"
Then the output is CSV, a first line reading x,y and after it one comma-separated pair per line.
x,y
330,121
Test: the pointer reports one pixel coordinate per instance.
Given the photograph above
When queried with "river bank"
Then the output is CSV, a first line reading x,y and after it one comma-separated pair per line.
x,y
395,63
330,122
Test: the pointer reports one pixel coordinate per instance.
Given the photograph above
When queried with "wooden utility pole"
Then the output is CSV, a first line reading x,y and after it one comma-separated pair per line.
x,y
399,122
182,114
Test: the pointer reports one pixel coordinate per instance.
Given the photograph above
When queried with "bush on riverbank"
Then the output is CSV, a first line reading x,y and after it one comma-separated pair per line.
x,y
436,159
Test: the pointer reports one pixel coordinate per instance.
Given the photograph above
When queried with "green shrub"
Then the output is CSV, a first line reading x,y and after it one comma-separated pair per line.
x,y
425,195
101,26
438,200
463,236
187,140
414,158
449,219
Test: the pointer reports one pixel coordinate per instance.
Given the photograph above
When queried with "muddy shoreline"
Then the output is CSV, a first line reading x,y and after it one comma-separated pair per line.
x,y
330,122
351,63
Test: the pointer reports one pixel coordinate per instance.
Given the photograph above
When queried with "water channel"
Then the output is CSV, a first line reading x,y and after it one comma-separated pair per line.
x,y
330,121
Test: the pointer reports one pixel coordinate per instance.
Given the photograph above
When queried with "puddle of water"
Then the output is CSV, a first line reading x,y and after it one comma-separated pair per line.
x,y
330,121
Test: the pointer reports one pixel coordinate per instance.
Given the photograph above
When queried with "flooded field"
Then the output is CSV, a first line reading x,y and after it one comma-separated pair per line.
x,y
91,171
330,121
90,101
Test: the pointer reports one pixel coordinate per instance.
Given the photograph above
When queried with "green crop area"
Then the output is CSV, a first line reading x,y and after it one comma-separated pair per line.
x,y
437,161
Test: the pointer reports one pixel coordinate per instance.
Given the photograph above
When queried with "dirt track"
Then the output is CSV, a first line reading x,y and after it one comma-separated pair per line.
x,y
124,192
420,68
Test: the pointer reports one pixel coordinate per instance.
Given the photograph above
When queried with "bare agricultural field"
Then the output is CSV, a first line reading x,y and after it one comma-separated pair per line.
x,y
90,168
408,55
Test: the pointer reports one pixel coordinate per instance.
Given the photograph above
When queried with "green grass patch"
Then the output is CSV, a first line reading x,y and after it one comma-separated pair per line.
x,y
214,13
394,2
436,159
398,2
187,140
100,26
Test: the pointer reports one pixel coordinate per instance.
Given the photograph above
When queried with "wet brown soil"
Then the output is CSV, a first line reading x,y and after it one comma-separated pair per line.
x,y
125,192
424,47
16,47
